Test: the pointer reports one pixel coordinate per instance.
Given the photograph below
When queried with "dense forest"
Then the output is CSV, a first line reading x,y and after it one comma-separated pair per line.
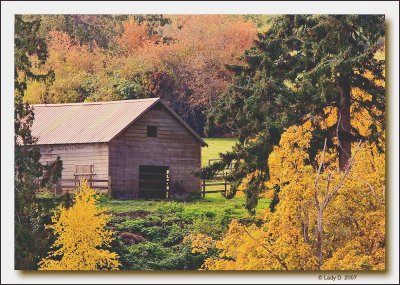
x,y
181,59
303,95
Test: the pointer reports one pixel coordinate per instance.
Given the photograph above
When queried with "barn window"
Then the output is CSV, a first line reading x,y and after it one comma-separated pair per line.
x,y
152,131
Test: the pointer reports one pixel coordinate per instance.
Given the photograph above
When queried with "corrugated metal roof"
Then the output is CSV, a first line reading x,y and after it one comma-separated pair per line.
x,y
89,122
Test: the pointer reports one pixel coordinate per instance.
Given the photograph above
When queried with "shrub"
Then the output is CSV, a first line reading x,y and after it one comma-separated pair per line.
x,y
81,236
207,226
136,225
170,208
175,235
153,256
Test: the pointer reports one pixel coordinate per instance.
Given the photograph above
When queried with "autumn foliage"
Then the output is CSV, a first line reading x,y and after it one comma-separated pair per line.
x,y
182,60
352,222
326,218
81,236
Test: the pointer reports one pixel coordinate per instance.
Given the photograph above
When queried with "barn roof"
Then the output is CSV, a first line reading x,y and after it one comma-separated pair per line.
x,y
91,122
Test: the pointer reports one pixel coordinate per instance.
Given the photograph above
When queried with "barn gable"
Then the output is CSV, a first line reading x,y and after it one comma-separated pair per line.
x,y
171,148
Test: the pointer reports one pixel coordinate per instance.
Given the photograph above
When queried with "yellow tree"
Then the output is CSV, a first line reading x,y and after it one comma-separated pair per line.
x,y
325,219
81,236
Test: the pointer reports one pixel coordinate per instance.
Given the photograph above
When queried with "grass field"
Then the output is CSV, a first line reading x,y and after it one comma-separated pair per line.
x,y
213,202
215,146
164,226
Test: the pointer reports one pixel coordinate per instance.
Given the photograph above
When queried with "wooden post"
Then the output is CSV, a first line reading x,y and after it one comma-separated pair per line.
x,y
78,184
204,188
91,175
225,182
109,184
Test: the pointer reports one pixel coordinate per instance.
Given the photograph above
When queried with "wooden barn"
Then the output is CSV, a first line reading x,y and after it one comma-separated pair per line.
x,y
134,148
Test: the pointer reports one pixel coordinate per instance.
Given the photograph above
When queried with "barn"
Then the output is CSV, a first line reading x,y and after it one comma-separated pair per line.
x,y
133,148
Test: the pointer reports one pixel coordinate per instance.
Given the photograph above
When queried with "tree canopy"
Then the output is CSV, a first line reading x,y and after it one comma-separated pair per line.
x,y
178,58
304,66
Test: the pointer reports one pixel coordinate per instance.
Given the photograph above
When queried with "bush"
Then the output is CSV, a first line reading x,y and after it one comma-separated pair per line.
x,y
156,233
209,227
104,197
144,256
175,235
180,257
153,256
170,208
210,214
137,225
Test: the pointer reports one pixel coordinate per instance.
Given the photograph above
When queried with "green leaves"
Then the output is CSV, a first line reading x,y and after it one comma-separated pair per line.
x,y
294,70
30,243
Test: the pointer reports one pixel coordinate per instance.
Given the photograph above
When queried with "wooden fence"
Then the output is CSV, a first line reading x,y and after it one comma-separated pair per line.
x,y
217,184
74,184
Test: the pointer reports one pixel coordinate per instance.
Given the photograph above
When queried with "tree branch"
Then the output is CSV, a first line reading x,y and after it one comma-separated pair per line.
x,y
267,249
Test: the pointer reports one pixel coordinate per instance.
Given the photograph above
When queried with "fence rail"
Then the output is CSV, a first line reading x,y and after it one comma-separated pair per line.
x,y
209,185
214,185
74,184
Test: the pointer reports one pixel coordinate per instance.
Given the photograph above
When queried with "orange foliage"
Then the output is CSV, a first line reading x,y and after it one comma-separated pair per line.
x,y
135,37
191,68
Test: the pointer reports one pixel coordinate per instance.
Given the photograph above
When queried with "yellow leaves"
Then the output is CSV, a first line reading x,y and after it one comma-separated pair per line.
x,y
35,92
249,248
81,236
200,242
353,219
242,250
350,257
353,222
245,181
290,155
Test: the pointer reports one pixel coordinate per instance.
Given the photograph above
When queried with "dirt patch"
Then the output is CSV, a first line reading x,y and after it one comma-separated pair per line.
x,y
131,238
134,214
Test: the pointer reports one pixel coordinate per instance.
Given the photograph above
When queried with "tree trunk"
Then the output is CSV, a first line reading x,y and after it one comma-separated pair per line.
x,y
319,237
344,122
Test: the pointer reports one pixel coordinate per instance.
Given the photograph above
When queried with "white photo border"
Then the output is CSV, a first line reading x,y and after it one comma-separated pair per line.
x,y
9,9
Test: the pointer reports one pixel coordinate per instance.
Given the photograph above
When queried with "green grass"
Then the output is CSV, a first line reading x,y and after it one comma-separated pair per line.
x,y
213,202
165,224
215,146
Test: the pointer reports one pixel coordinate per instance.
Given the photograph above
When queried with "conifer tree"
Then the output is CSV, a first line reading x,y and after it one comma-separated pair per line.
x,y
301,66
29,242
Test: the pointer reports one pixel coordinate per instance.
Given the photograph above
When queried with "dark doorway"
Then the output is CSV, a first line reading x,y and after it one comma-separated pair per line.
x,y
153,181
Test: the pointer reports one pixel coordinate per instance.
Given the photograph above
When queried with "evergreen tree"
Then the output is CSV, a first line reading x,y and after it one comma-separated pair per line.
x,y
29,241
301,66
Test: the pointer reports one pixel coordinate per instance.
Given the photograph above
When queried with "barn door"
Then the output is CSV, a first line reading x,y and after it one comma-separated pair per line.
x,y
153,181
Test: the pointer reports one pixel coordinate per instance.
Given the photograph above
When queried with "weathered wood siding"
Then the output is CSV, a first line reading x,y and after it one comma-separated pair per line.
x,y
78,154
174,147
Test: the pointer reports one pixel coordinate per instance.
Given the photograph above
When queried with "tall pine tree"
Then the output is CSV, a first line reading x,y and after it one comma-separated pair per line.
x,y
30,243
299,67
